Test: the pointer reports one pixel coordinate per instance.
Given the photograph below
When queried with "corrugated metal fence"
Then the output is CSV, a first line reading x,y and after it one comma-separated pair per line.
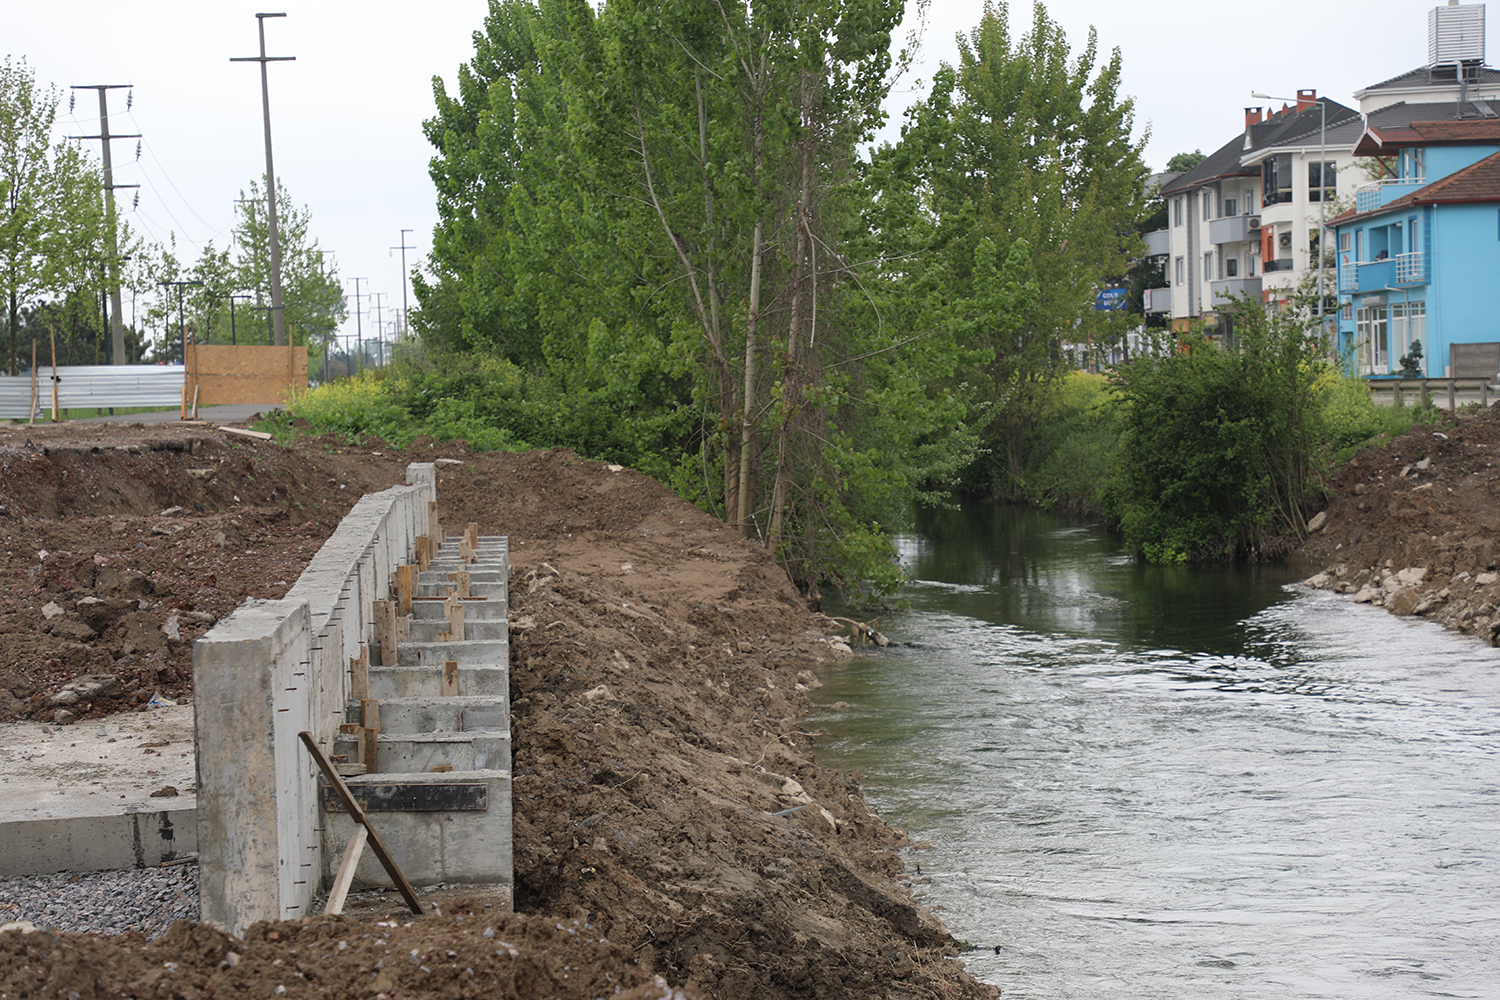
x,y
92,385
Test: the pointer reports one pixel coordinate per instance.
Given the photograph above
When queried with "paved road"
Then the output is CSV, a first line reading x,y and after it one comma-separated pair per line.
x,y
218,414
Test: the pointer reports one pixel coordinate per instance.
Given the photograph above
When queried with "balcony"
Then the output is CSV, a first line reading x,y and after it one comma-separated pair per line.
x,y
1233,229
1229,288
1378,194
1393,272
1158,300
1158,242
1279,264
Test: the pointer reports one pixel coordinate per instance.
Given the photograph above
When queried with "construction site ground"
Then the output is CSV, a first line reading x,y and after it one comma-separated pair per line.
x,y
671,819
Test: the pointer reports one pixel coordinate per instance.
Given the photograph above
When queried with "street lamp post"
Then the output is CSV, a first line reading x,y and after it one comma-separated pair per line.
x,y
1322,188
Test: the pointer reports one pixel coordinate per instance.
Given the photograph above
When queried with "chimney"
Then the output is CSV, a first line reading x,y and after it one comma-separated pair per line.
x,y
1252,117
1306,99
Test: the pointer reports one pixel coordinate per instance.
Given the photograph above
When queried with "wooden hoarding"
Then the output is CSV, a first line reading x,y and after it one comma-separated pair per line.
x,y
221,375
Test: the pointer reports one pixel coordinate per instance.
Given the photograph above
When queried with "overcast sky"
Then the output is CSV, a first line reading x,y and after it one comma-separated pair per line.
x,y
347,114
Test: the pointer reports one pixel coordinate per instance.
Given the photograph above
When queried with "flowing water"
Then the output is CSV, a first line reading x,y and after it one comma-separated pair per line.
x,y
1145,782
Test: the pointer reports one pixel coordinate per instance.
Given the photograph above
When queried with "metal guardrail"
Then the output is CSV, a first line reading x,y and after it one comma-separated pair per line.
x,y
91,386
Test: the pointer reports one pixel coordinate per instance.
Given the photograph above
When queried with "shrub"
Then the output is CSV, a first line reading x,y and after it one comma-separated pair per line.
x,y
1221,455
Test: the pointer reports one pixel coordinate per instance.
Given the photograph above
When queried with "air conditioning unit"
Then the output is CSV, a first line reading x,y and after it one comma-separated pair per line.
x,y
1284,240
1254,222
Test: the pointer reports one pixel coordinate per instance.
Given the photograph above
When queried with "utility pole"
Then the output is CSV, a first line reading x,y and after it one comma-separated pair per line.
x,y
359,335
379,330
112,265
403,248
278,317
181,321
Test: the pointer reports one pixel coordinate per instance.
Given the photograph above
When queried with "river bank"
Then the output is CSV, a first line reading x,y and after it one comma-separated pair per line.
x,y
672,819
1414,526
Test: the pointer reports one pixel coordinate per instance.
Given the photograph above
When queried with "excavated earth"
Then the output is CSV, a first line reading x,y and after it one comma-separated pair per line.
x,y
674,834
659,670
1414,526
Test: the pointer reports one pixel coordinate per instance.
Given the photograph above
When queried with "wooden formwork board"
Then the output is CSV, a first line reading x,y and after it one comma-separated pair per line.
x,y
221,375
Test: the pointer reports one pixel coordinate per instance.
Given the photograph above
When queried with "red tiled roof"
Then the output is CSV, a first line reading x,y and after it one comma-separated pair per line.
x,y
1432,133
1475,184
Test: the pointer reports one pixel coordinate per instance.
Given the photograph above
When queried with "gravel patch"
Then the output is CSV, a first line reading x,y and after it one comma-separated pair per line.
x,y
148,900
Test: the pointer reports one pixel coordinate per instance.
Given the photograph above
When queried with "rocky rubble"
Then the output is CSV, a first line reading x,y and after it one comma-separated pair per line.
x,y
1413,526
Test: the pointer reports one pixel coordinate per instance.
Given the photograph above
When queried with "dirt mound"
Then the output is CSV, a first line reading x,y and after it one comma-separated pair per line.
x,y
468,951
1414,525
670,815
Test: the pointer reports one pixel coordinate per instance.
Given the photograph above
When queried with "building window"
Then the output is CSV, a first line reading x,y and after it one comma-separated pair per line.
x,y
1372,340
1344,242
1208,266
1322,181
1347,313
1231,207
1408,325
1177,211
1231,266
1208,205
1416,163
1249,201
1276,179
1180,279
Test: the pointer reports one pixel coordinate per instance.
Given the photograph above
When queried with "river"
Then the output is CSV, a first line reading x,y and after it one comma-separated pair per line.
x,y
1163,782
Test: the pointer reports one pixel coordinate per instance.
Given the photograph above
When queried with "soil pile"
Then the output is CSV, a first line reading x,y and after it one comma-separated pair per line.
x,y
1414,526
670,817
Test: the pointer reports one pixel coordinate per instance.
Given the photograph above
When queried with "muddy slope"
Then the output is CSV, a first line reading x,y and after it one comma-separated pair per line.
x,y
671,818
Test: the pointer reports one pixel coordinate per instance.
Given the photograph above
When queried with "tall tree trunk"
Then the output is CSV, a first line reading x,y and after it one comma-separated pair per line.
x,y
747,417
791,380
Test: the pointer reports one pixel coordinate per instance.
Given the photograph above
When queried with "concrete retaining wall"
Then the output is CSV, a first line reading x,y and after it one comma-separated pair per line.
x,y
265,673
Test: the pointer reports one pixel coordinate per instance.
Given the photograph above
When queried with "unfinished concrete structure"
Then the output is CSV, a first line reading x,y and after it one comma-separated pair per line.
x,y
273,669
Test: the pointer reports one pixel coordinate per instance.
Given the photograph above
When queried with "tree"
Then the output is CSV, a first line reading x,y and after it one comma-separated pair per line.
x,y
693,257
1030,148
51,219
1181,163
312,295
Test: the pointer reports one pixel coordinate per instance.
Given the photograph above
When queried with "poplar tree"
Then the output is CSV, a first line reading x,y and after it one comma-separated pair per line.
x,y
663,197
1029,147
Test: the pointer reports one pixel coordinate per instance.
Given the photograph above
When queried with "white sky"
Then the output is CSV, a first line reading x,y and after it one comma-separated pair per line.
x,y
346,115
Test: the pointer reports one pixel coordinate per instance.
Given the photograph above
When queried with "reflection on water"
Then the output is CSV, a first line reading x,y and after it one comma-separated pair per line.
x,y
1179,783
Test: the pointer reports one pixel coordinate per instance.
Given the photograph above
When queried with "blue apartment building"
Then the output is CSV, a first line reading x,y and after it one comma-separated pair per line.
x,y
1418,256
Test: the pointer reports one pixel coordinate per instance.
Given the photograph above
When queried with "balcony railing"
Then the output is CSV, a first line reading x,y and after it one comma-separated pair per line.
x,y
1377,194
1158,300
1228,288
1233,229
1158,242
1412,269
1402,269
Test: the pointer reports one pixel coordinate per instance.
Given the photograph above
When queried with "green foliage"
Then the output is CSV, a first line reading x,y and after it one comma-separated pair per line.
x,y
1351,420
1073,445
1022,182
1221,452
1183,162
683,295
54,230
1411,364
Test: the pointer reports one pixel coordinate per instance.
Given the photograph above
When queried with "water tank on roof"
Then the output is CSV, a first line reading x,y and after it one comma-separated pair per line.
x,y
1455,34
